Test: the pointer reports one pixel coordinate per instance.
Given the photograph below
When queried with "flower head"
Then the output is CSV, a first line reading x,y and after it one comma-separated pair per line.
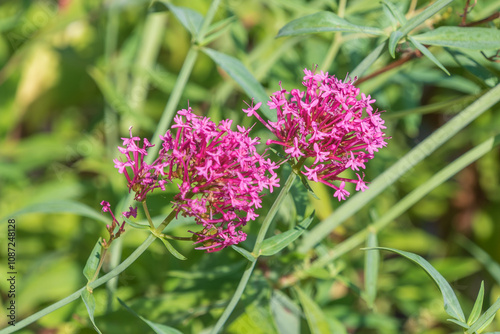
x,y
328,123
221,177
219,174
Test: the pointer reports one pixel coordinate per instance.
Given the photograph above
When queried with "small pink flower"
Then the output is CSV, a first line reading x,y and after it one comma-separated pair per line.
x,y
131,212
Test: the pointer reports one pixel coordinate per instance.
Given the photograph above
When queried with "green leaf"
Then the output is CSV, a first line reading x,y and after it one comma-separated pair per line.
x,y
60,207
172,250
368,61
135,225
461,37
246,254
415,22
485,319
451,304
372,259
460,323
471,65
424,15
244,78
156,327
394,12
427,53
478,305
217,29
276,243
88,299
190,19
286,313
314,315
324,22
393,42
93,261
304,181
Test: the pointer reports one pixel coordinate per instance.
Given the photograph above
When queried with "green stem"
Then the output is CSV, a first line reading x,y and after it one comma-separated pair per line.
x,y
207,21
148,216
337,40
116,271
272,212
166,221
101,261
256,250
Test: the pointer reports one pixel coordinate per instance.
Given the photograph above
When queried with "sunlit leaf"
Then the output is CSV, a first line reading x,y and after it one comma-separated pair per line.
x,y
415,22
244,78
93,261
276,243
315,317
134,224
461,37
451,304
172,250
63,206
485,319
324,22
246,254
394,11
427,53
286,313
89,300
368,61
189,18
478,306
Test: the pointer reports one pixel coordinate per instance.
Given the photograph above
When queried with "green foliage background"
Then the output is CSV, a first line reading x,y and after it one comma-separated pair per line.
x,y
72,81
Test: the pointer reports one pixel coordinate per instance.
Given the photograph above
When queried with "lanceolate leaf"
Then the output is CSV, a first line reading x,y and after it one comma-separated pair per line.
x,y
365,64
276,243
478,305
451,304
244,78
286,313
428,54
190,19
61,207
462,37
156,327
315,317
415,22
485,319
172,250
246,254
324,22
88,299
93,261
394,10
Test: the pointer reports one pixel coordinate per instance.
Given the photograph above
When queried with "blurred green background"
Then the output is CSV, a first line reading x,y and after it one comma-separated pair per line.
x,y
75,74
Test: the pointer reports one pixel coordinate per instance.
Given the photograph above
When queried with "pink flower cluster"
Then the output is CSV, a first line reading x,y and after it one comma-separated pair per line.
x,y
218,171
326,123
